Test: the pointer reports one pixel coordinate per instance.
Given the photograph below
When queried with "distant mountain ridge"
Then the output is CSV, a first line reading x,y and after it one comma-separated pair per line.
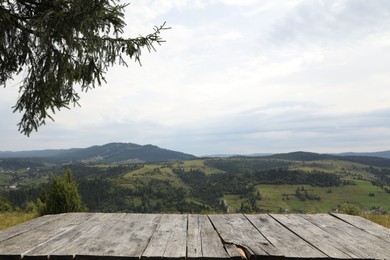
x,y
223,155
301,155
108,153
383,154
129,152
308,156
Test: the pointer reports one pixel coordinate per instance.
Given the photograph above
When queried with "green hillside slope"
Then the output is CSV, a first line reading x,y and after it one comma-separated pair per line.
x,y
285,183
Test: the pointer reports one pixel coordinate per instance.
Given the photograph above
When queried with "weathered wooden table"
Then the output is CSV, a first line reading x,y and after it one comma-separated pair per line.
x,y
174,236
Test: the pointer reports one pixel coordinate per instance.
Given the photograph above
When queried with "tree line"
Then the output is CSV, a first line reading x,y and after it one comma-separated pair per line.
x,y
101,189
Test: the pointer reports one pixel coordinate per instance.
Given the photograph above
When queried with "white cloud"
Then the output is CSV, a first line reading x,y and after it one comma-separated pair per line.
x,y
238,77
331,22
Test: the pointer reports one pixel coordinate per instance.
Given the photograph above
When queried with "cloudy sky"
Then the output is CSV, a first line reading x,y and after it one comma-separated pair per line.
x,y
243,77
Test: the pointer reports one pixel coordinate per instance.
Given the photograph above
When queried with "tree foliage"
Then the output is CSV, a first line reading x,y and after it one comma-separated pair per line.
x,y
60,44
5,205
62,196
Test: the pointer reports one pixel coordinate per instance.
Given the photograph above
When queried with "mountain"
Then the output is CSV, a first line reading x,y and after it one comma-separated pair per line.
x,y
308,156
236,155
383,154
303,156
108,153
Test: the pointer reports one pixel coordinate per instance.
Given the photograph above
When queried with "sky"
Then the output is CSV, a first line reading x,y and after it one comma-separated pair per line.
x,y
236,77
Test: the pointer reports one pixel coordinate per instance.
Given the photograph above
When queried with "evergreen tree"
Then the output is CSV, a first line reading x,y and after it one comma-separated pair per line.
x,y
62,196
59,44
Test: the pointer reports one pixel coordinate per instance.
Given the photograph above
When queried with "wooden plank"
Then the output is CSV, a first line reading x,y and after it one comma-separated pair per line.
x,y
127,237
177,243
169,238
212,246
27,241
236,229
235,252
134,234
26,226
286,241
360,242
316,236
61,241
204,242
87,242
194,239
366,225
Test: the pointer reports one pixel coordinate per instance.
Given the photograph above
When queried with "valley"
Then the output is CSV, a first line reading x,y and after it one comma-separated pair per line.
x,y
291,183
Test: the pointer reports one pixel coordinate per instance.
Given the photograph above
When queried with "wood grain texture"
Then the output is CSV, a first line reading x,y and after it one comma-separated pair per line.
x,y
354,240
286,241
313,235
89,240
169,238
26,226
27,241
212,246
194,239
365,225
173,236
109,235
63,240
236,229
203,240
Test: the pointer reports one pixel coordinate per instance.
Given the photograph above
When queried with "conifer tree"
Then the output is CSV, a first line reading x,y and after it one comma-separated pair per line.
x,y
60,44
62,196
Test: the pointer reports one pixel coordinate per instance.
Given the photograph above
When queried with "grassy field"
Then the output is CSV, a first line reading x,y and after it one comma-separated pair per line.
x,y
151,171
164,171
167,167
281,198
10,219
383,220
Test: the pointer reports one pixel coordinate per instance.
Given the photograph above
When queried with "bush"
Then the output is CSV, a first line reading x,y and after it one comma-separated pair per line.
x,y
350,209
5,205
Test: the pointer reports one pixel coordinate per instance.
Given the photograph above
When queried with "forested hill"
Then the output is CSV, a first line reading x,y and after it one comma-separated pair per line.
x,y
384,154
307,156
134,153
108,153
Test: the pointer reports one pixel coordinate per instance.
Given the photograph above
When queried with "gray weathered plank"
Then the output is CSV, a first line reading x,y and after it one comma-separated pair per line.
x,y
135,236
366,225
236,229
27,241
194,239
203,240
360,242
26,226
88,242
212,246
61,241
169,238
316,236
177,243
234,252
127,237
287,242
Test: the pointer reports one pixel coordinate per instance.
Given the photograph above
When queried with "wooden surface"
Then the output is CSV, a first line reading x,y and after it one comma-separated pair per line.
x,y
175,236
